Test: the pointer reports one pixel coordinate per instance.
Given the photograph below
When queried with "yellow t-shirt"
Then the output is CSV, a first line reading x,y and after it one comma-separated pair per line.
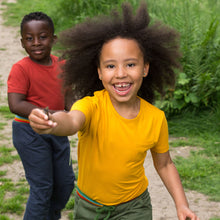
x,y
112,149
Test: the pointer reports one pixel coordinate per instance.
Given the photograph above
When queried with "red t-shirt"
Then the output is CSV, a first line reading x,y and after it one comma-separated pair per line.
x,y
39,83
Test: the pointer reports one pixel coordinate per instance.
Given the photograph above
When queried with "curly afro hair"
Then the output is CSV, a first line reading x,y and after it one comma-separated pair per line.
x,y
159,44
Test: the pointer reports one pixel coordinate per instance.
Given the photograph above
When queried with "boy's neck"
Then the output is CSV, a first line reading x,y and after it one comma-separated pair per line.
x,y
46,62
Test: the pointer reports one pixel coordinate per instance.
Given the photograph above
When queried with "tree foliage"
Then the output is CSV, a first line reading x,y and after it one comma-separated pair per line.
x,y
198,84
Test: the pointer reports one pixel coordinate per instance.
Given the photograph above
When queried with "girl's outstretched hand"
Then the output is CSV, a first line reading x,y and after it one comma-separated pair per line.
x,y
184,213
41,122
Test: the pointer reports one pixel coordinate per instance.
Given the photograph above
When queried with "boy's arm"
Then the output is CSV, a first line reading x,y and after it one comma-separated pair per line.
x,y
18,104
170,177
59,123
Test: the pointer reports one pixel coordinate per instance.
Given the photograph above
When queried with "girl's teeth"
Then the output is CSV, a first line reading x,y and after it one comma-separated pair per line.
x,y
120,86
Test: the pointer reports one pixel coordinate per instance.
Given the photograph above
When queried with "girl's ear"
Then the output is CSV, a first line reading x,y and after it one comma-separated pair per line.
x,y
99,72
146,69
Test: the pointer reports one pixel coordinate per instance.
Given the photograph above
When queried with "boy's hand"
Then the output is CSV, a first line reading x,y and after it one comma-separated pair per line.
x,y
40,122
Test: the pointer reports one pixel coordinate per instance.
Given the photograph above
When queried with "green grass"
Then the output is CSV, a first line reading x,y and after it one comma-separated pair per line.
x,y
13,196
2,125
5,112
5,155
3,217
199,171
15,199
3,173
64,13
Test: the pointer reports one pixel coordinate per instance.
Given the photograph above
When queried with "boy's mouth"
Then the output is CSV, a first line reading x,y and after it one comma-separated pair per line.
x,y
37,52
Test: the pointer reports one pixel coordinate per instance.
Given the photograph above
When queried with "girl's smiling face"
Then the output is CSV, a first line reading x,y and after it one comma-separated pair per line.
x,y
121,69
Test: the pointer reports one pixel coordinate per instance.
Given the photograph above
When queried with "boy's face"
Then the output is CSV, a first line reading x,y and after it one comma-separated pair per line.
x,y
37,39
122,69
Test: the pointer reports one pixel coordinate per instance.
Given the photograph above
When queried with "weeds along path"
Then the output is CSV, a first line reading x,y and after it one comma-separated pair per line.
x,y
10,52
163,206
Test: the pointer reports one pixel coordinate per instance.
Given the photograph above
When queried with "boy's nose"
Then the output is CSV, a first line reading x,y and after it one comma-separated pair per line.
x,y
36,41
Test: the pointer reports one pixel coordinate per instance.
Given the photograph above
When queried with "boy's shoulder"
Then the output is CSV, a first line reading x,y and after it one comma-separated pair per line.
x,y
24,60
27,61
53,57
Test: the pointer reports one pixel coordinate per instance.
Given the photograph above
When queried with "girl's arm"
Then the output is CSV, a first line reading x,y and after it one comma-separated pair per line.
x,y
59,123
170,177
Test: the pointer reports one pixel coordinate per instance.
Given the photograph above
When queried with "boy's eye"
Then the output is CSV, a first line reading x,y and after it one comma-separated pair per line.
x,y
43,37
29,38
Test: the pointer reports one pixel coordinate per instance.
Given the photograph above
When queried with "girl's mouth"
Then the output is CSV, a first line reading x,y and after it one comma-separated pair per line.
x,y
122,88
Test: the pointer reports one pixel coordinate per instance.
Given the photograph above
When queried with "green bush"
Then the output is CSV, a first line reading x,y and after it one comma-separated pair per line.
x,y
198,83
65,13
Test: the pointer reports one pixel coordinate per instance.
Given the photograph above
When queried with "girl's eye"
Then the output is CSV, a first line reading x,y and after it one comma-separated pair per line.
x,y
130,64
110,66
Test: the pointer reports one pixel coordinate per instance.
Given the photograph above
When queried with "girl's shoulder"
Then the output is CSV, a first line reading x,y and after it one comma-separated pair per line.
x,y
90,100
149,108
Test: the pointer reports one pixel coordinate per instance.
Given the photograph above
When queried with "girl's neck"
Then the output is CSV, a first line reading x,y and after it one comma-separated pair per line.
x,y
128,111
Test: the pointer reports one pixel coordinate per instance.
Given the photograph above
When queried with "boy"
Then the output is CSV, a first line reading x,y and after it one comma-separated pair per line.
x,y
33,82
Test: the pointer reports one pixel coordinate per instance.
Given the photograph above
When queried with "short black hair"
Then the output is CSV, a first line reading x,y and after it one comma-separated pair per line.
x,y
158,42
37,16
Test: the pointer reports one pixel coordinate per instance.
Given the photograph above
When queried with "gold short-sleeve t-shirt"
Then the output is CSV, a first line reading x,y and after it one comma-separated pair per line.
x,y
112,149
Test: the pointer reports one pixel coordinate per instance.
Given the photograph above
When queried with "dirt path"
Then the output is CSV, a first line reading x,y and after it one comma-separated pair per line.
x,y
163,206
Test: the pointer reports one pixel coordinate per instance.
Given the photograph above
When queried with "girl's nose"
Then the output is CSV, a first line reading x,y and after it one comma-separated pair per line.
x,y
121,72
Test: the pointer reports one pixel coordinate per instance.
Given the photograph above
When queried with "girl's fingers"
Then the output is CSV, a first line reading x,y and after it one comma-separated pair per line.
x,y
39,122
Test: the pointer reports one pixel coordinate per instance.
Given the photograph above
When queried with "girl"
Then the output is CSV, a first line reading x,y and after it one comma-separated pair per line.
x,y
123,61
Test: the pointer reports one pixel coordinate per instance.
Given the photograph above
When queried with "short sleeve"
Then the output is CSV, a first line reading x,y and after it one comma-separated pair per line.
x,y
85,106
18,81
162,144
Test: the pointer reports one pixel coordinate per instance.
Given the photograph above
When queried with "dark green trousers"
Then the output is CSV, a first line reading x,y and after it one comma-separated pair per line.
x,y
137,209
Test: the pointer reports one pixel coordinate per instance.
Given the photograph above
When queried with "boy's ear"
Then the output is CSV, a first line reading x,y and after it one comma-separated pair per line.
x,y
146,69
22,43
54,38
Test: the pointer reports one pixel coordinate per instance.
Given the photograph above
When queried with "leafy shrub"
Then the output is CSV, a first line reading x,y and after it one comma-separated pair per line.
x,y
198,84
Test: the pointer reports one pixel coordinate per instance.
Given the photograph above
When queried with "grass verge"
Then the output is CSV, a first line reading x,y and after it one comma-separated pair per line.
x,y
13,195
199,171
